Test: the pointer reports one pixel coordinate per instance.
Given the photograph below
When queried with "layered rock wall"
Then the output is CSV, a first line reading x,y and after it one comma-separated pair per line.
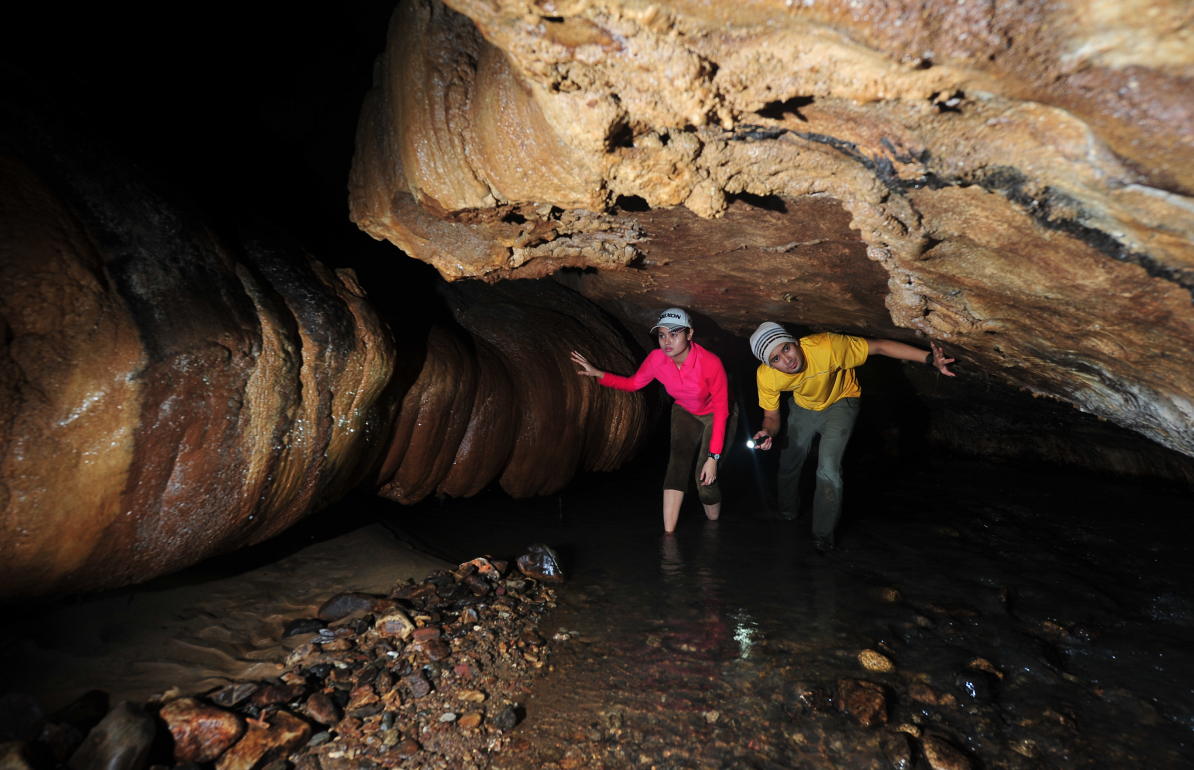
x,y
171,390
1019,173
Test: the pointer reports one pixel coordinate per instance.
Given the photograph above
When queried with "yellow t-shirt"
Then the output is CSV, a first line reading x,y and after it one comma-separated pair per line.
x,y
827,377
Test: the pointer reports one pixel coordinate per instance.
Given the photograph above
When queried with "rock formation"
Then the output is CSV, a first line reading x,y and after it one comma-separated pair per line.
x,y
170,390
1014,179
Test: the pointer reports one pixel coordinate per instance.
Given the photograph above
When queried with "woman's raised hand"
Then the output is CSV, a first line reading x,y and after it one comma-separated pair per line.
x,y
587,369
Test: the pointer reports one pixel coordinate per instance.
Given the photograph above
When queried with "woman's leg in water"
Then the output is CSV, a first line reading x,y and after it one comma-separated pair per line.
x,y
686,439
672,500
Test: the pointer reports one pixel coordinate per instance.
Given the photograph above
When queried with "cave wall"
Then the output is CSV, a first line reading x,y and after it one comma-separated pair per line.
x,y
174,386
1018,174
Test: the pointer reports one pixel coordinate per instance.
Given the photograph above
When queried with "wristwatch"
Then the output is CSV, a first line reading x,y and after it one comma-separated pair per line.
x,y
715,456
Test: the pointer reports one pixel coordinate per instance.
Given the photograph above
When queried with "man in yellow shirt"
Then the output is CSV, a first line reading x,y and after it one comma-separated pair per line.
x,y
818,370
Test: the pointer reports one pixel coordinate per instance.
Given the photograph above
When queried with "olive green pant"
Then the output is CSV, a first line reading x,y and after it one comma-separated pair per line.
x,y
835,423
690,439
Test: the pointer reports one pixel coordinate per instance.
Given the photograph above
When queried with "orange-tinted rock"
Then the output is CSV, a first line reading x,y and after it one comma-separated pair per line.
x,y
261,745
323,709
201,733
864,701
943,756
1013,182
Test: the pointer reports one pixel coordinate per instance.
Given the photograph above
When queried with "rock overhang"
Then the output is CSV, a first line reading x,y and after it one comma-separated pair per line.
x,y
1012,181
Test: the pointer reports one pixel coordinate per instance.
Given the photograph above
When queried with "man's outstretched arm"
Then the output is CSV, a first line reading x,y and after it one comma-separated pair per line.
x,y
904,352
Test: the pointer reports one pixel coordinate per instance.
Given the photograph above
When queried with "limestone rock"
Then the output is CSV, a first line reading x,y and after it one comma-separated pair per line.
x,y
864,701
201,733
874,661
942,756
1016,184
261,745
121,741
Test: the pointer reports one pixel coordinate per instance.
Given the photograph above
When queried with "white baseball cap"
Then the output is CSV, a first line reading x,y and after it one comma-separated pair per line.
x,y
673,318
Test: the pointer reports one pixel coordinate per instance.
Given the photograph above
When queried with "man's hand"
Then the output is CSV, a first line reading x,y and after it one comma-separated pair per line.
x,y
940,361
709,472
762,440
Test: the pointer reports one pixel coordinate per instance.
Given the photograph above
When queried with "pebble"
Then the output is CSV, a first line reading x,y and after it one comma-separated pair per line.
x,y
235,693
711,716
874,661
272,695
447,717
472,696
437,649
318,739
260,745
542,563
942,756
417,684
344,604
121,741
201,733
395,624
407,748
864,701
471,721
896,750
922,693
505,719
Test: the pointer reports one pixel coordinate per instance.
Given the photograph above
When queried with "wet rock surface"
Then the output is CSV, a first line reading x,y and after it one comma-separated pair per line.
x,y
732,645
446,693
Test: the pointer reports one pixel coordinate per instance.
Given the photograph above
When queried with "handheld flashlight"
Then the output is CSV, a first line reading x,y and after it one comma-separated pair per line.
x,y
750,443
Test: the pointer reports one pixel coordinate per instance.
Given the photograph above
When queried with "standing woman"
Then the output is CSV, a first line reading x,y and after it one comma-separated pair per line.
x,y
697,380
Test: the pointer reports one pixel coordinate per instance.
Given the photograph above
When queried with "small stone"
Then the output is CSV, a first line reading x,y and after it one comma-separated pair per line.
x,y
897,751
395,624
982,664
407,748
468,616
484,567
360,696
272,695
436,649
909,729
447,717
711,716
344,604
472,696
922,693
234,693
318,739
417,684
942,756
874,661
922,621
477,585
260,745
121,741
505,719
364,712
303,626
336,645
864,701
471,720
201,733
541,563
976,685
425,634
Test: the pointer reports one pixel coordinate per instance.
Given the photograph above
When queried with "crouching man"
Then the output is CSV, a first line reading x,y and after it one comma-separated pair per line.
x,y
819,372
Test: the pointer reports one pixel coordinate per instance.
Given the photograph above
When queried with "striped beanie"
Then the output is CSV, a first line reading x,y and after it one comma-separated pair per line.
x,y
766,337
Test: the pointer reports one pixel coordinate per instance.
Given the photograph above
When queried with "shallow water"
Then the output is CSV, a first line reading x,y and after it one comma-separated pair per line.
x,y
693,651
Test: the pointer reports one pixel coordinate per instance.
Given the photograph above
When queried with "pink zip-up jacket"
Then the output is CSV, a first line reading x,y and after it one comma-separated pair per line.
x,y
699,385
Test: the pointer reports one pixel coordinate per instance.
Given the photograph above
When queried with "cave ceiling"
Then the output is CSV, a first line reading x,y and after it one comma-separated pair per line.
x,y
1013,179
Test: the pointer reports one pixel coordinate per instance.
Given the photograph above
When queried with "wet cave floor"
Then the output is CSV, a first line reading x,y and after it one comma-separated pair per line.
x,y
1030,619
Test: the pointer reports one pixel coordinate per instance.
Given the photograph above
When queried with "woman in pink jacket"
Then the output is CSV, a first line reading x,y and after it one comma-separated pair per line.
x,y
702,421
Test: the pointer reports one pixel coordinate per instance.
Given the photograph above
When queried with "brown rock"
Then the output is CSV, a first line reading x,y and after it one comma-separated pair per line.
x,y
896,750
542,563
395,624
864,701
360,696
344,604
407,748
470,721
201,733
919,691
261,745
121,741
874,661
426,634
436,649
323,709
272,694
477,585
417,684
942,756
